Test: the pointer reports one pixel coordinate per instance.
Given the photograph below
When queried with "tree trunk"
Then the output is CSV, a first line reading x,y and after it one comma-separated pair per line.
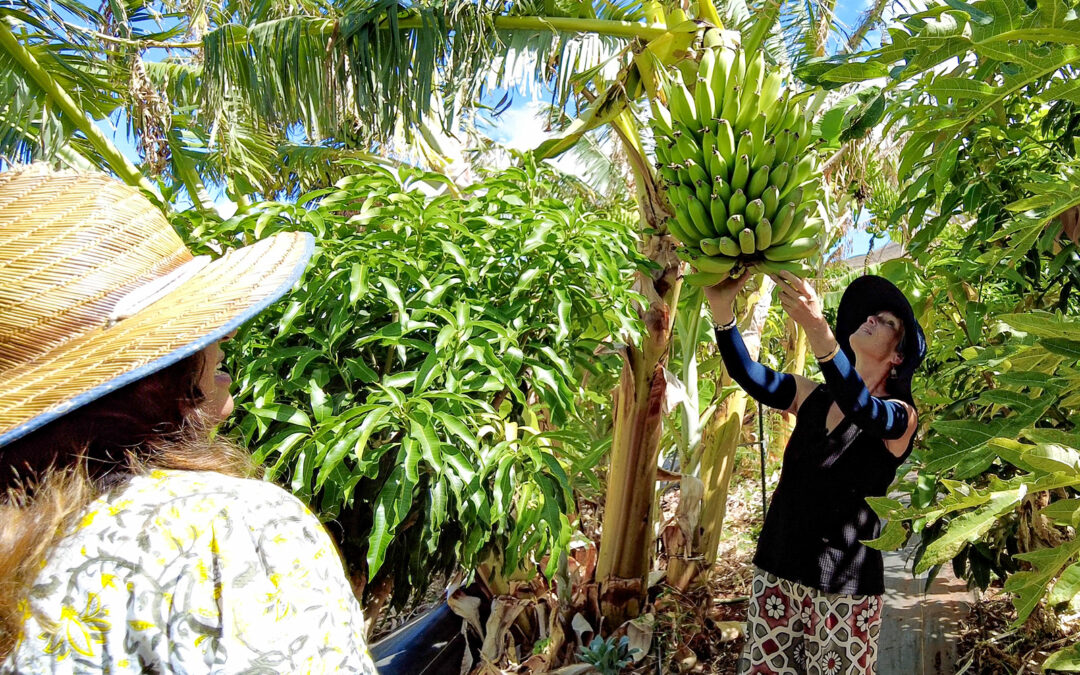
x,y
626,543
722,434
795,362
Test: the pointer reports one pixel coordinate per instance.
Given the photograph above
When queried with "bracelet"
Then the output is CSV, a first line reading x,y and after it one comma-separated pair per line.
x,y
727,326
830,356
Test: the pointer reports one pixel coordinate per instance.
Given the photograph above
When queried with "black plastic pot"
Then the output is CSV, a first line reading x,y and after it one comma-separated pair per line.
x,y
430,644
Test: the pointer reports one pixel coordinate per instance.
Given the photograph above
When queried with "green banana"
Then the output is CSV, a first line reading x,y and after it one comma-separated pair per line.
x,y
782,223
798,224
758,182
725,141
686,227
741,173
737,204
703,99
771,198
719,214
799,173
757,133
729,247
778,175
716,264
676,229
802,130
755,210
682,106
663,154
783,144
699,216
793,250
709,247
748,107
703,191
745,145
712,38
687,148
770,91
767,155
730,111
717,165
678,194
696,170
705,279
791,116
669,173
746,241
724,60
812,228
776,266
722,188
763,234
755,71
661,121
735,225
705,71
688,70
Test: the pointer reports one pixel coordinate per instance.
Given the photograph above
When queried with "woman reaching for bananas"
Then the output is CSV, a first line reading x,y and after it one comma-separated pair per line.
x,y
816,600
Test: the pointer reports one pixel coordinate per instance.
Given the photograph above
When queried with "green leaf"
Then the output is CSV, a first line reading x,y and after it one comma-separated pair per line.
x,y
321,405
893,536
1066,659
282,413
1044,325
1066,587
1063,512
967,528
1030,586
856,72
358,287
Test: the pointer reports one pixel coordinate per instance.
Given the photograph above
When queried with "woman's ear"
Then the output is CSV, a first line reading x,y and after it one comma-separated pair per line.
x,y
897,359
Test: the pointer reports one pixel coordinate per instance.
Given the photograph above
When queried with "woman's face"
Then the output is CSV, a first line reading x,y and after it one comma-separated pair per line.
x,y
879,336
214,384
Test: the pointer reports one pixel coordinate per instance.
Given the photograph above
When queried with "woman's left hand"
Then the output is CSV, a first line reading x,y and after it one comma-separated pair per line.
x,y
803,305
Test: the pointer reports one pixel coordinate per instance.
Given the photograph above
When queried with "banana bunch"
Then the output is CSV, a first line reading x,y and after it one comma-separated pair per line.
x,y
731,148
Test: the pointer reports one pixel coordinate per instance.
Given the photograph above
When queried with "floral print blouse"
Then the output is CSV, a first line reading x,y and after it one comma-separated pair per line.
x,y
193,572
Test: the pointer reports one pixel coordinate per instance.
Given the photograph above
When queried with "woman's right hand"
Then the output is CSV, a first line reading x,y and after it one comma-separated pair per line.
x,y
722,296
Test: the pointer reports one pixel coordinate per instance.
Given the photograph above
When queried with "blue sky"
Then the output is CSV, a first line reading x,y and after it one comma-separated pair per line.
x,y
518,126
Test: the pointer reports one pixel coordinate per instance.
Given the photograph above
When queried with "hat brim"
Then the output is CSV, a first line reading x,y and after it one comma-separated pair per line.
x,y
871,294
211,304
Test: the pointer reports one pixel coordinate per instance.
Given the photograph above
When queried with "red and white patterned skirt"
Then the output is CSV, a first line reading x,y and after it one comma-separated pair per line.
x,y
792,629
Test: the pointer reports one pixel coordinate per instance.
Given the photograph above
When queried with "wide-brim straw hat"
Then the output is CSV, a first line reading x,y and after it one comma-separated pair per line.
x,y
871,294
97,291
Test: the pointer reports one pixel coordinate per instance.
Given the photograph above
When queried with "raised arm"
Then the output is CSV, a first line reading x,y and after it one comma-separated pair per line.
x,y
776,390
885,418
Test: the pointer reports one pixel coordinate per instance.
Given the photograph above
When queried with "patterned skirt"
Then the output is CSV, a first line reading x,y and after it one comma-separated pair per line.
x,y
792,629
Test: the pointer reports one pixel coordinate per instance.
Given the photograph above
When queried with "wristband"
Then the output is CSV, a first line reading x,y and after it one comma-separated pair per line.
x,y
727,326
830,356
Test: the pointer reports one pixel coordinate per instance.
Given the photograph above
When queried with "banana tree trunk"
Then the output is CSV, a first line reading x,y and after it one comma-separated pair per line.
x,y
722,434
627,539
796,363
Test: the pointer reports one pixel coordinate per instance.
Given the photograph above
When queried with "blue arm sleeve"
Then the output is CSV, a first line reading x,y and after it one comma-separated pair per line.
x,y
776,390
885,419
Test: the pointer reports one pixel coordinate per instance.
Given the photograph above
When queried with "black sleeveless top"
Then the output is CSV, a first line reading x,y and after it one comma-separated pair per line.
x,y
818,513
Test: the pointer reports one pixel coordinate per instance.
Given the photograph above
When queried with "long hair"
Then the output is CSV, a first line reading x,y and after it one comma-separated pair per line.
x,y
49,476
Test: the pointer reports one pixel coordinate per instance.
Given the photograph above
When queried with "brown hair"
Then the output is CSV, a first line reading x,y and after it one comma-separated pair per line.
x,y
48,477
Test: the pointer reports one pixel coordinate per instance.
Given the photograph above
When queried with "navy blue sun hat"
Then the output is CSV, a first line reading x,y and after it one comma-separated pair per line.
x,y
871,294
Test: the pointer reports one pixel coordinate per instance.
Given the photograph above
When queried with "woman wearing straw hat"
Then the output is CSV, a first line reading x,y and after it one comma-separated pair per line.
x,y
131,538
815,605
